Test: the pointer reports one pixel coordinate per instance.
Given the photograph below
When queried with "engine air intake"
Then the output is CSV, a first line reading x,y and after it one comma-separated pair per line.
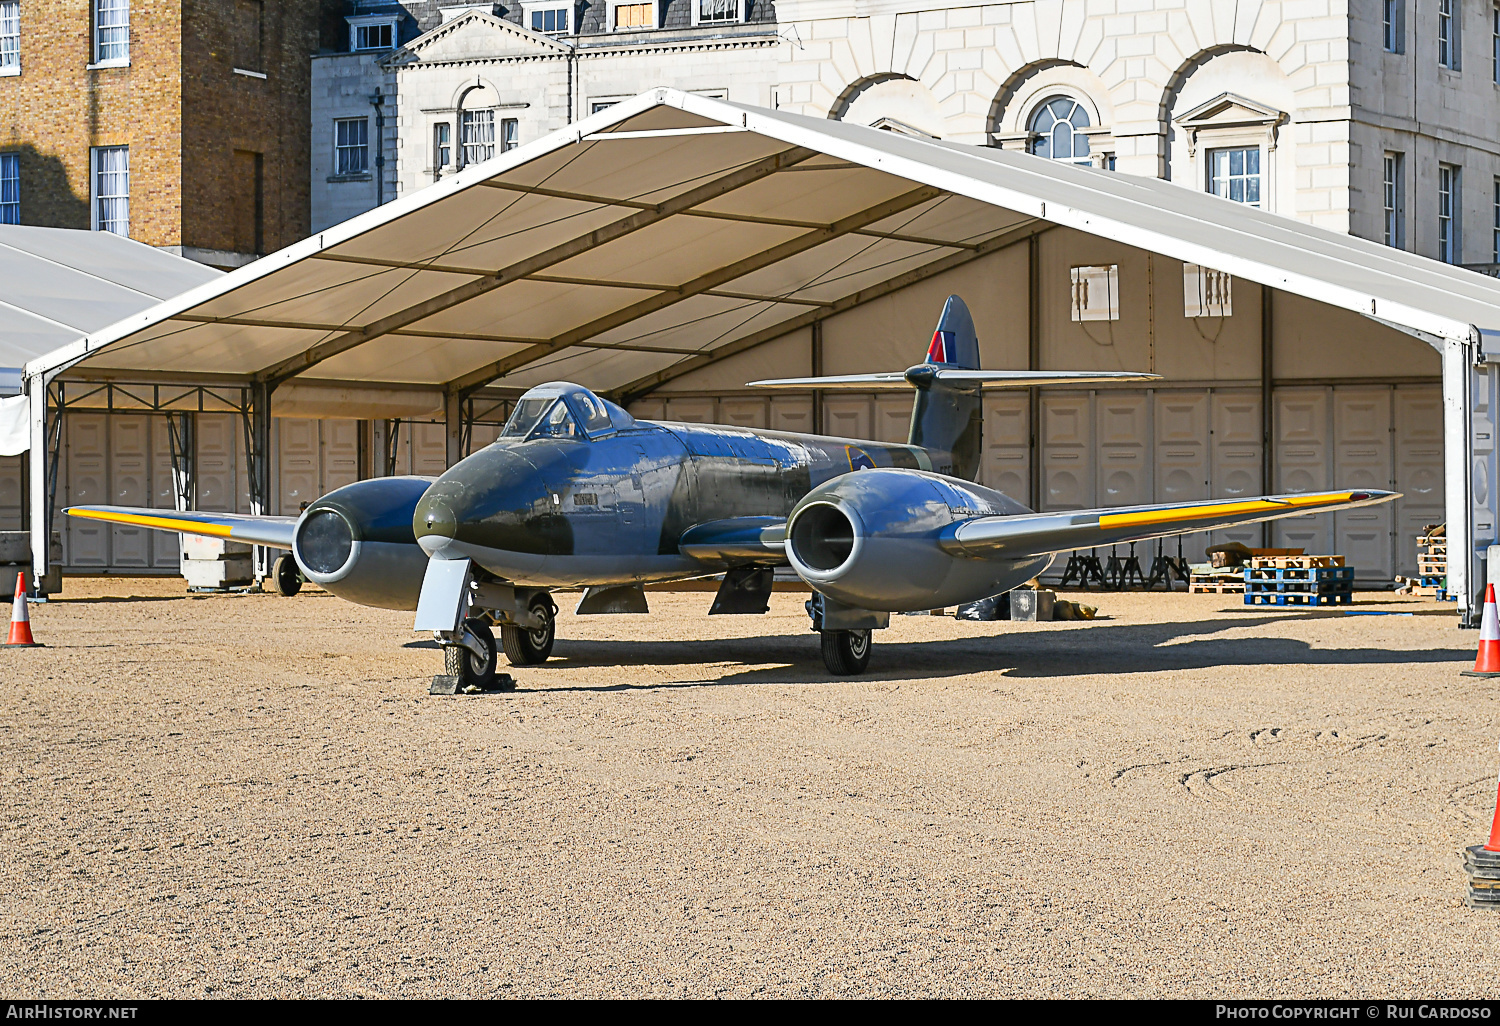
x,y
822,537
325,542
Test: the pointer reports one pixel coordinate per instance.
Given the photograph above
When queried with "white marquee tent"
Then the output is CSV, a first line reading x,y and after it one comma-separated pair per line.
x,y
672,231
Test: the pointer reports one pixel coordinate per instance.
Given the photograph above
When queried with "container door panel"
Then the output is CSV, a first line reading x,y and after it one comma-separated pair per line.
x,y
1007,445
792,413
218,446
130,485
847,417
691,411
87,484
1182,457
1235,459
1124,441
299,473
1302,465
11,502
893,418
1362,459
748,413
1067,452
429,451
1419,468
340,453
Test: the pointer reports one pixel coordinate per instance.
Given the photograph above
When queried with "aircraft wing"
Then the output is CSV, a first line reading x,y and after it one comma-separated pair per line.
x,y
273,531
1036,533
925,374
760,540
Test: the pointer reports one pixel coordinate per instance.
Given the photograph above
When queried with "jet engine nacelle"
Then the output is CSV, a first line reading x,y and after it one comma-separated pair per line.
x,y
869,539
357,542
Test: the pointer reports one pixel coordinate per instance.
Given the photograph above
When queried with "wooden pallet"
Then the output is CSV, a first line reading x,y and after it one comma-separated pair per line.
x,y
1432,566
1294,562
1215,584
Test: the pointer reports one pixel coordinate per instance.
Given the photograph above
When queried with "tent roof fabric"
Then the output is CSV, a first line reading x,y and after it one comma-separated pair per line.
x,y
61,284
672,229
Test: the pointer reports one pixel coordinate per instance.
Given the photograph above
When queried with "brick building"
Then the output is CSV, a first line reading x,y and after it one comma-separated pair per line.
x,y
181,123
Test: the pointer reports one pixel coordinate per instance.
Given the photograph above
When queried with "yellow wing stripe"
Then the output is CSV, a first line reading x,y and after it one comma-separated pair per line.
x,y
1168,516
164,523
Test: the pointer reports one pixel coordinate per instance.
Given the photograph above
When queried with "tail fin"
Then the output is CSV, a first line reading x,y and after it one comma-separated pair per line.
x,y
946,419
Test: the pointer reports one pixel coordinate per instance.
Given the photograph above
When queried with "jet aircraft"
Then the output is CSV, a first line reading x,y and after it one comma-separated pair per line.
x,y
577,493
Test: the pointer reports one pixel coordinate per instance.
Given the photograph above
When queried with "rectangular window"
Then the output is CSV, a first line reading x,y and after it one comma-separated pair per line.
x,y
713,12
1495,45
111,189
554,20
111,31
10,37
442,145
1449,17
1235,174
632,16
508,134
351,146
599,105
476,136
1392,34
10,188
1495,248
374,37
1450,203
1393,200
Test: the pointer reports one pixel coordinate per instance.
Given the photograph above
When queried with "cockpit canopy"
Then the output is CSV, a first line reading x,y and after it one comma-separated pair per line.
x,y
561,409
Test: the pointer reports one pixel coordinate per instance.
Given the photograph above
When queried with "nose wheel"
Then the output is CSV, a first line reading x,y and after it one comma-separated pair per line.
x,y
474,659
846,652
526,646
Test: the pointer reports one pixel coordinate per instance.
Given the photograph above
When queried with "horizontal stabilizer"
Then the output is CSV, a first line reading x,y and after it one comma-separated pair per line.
x,y
276,532
992,537
925,375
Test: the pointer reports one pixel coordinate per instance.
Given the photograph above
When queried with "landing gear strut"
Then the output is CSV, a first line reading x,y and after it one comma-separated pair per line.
x,y
526,646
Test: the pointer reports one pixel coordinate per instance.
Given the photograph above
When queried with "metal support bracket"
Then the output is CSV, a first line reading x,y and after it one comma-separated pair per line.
x,y
829,615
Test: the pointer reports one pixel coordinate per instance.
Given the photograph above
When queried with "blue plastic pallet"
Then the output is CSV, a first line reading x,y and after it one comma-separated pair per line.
x,y
1295,598
1299,586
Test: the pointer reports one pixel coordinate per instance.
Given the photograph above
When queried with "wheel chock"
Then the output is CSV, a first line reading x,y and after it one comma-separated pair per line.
x,y
452,684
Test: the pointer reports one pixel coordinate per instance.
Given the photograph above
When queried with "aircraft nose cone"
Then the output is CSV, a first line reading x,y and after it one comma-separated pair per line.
x,y
434,524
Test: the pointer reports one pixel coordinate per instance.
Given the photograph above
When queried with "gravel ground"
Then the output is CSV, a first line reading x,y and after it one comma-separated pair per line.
x,y
255,796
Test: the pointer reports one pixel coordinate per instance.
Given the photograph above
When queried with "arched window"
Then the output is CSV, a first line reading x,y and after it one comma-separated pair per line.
x,y
1056,124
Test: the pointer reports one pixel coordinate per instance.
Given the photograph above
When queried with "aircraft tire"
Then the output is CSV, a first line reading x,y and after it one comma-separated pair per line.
x,y
846,652
459,662
288,578
527,646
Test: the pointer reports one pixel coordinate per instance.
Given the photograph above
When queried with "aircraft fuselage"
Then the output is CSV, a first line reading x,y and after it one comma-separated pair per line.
x,y
551,512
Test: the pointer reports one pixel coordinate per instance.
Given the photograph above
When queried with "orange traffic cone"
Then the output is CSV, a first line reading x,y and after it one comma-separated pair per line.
x,y
20,620
1488,662
1493,844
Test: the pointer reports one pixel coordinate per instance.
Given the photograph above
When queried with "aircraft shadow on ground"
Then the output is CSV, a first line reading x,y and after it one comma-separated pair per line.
x,y
1097,649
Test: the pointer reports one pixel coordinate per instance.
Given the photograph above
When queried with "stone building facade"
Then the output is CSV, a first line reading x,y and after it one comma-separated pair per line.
x,y
182,123
1375,117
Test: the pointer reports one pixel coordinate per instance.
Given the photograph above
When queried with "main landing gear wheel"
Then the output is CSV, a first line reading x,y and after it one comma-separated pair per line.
x,y
846,652
288,578
461,662
525,646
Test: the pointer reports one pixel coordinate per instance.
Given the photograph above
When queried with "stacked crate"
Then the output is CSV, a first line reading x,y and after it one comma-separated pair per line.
x,y
1299,581
1432,564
